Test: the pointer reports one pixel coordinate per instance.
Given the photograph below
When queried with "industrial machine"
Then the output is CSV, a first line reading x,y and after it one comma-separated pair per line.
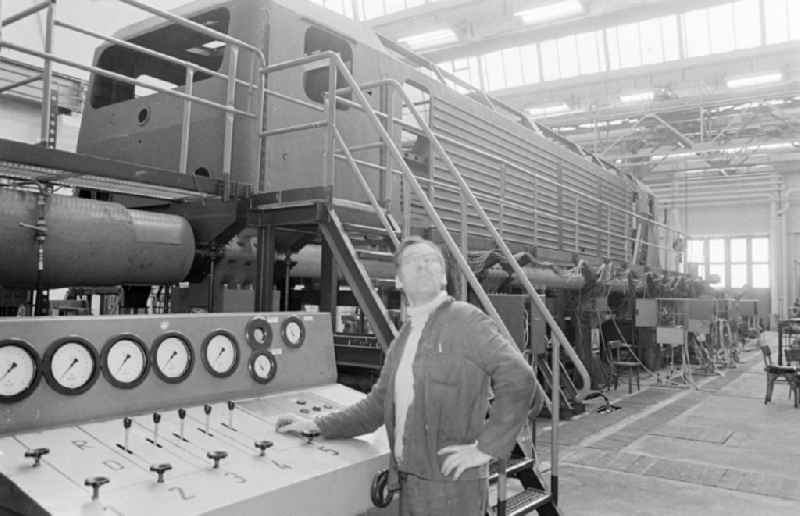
x,y
175,414
254,155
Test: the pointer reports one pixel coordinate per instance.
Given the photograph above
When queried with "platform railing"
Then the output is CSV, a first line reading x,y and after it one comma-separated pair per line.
x,y
234,46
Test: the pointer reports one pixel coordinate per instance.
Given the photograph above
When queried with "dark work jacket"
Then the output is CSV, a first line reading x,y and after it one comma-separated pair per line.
x,y
460,351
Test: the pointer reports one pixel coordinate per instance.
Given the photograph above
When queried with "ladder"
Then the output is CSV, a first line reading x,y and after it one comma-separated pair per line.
x,y
348,256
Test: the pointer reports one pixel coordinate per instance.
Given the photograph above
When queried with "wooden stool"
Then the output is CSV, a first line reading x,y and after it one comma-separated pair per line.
x,y
631,369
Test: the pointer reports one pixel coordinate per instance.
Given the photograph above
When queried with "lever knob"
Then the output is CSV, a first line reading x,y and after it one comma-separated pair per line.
x,y
156,417
96,483
181,413
231,405
160,469
217,456
127,422
262,445
310,435
207,409
36,454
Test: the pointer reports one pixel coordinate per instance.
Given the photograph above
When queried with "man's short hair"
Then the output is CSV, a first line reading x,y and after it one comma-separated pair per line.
x,y
414,240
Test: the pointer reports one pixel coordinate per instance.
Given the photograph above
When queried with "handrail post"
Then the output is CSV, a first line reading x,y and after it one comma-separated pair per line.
x,y
47,74
186,122
261,108
555,407
330,142
230,101
464,243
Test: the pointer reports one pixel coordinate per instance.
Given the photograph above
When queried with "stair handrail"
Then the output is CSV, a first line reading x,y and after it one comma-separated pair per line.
x,y
467,191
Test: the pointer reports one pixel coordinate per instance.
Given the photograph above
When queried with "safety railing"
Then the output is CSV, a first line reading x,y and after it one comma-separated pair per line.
x,y
234,46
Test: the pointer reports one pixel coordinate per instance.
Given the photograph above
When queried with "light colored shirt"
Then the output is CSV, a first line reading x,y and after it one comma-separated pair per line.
x,y
404,377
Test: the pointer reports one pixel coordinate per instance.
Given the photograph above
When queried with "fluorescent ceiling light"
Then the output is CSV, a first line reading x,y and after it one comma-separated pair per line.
x,y
213,45
637,97
755,80
433,38
550,109
550,12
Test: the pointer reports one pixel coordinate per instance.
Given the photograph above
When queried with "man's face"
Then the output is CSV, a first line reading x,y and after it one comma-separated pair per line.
x,y
421,270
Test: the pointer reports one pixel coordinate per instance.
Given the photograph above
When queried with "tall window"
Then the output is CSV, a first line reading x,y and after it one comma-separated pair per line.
x,y
736,262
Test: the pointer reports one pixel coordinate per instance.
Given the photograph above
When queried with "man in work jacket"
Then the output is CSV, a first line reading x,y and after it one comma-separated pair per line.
x,y
432,395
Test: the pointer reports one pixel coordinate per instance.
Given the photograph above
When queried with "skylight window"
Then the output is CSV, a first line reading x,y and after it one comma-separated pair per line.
x,y
755,80
430,39
642,96
549,109
550,12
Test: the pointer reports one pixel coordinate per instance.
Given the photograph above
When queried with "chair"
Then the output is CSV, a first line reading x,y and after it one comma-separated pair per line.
x,y
774,372
631,369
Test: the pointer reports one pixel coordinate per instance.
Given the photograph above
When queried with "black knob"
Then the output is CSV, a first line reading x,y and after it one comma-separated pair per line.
x,y
95,483
301,402
160,469
207,409
156,417
217,456
263,445
36,454
181,413
310,435
316,408
127,422
304,410
231,405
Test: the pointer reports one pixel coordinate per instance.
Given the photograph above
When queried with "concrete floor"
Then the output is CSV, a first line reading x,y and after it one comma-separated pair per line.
x,y
711,450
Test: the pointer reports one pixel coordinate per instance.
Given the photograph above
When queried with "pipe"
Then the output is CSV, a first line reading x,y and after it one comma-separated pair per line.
x,y
786,280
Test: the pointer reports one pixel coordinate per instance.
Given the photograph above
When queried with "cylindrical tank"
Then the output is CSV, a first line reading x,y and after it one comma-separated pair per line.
x,y
90,243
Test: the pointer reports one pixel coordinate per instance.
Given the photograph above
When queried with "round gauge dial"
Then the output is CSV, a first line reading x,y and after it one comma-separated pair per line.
x,y
258,333
124,361
262,366
293,332
220,353
70,365
19,370
173,358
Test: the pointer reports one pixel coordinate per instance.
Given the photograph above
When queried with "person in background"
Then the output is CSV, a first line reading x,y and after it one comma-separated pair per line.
x,y
433,395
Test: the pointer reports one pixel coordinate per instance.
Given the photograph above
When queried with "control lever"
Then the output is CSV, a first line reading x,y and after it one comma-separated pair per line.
x,y
36,454
96,483
217,456
126,424
310,435
207,410
262,445
182,419
231,406
156,421
160,469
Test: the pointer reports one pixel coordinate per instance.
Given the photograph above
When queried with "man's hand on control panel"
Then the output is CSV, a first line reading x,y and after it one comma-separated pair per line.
x,y
296,425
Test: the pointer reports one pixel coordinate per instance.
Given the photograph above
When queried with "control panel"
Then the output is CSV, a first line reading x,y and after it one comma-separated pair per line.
x,y
175,414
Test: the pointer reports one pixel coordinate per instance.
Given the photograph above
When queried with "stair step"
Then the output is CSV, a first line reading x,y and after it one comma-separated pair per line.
x,y
369,254
524,502
512,468
362,229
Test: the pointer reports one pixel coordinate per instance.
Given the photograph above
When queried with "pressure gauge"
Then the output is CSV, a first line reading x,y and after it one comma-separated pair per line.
x,y
19,370
262,366
258,333
124,361
293,332
220,353
172,357
70,365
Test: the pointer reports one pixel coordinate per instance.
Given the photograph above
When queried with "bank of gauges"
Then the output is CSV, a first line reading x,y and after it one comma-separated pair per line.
x,y
262,365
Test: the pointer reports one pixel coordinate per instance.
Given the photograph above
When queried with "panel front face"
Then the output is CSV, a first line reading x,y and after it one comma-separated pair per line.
x,y
188,359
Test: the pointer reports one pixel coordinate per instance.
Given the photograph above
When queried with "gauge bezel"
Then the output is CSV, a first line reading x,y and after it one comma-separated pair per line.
x,y
154,357
109,376
254,324
204,353
285,339
37,370
47,363
251,366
